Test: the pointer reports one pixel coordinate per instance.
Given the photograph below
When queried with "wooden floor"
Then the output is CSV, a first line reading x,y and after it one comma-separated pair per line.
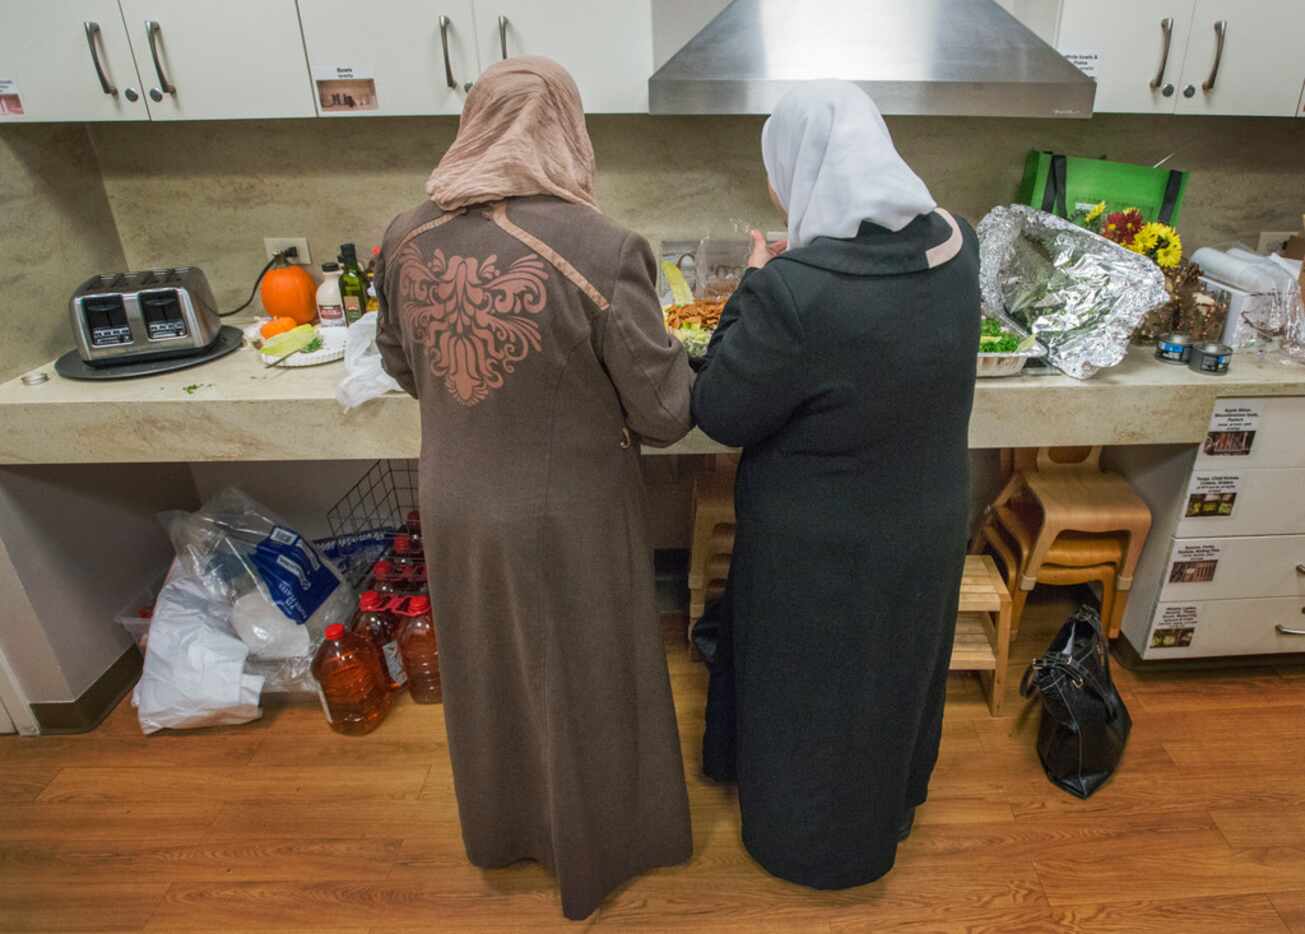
x,y
284,826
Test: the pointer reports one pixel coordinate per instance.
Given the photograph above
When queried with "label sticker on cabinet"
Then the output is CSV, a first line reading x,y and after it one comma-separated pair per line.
x,y
11,102
1232,428
1195,563
1089,62
1213,495
344,88
1174,626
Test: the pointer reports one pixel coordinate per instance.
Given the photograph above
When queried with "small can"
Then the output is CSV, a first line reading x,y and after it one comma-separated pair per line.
x,y
1174,348
1211,359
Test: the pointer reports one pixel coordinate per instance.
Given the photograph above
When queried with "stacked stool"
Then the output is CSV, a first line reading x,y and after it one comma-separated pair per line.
x,y
1066,521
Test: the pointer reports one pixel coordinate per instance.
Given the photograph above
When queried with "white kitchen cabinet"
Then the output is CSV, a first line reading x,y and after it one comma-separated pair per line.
x,y
1265,432
393,58
1269,626
220,59
1260,68
605,44
1235,568
50,52
1141,47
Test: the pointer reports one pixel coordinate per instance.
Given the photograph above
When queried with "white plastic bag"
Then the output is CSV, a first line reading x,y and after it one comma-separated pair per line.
x,y
364,378
194,669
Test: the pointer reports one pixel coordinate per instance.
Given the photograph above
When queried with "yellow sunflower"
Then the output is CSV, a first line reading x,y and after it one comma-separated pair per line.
x,y
1161,243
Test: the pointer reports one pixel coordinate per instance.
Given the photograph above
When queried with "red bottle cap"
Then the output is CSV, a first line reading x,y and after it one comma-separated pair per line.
x,y
335,631
383,569
402,543
371,602
376,251
414,519
419,605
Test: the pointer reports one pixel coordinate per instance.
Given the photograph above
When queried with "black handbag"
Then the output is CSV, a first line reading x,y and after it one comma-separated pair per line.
x,y
1085,724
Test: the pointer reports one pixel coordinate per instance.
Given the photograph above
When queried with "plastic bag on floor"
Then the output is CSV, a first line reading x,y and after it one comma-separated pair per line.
x,y
194,668
364,378
267,590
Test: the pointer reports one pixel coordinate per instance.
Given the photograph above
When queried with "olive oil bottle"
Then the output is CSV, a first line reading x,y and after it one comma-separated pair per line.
x,y
353,284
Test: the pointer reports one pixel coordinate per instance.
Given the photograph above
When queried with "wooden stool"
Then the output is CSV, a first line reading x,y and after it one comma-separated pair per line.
x,y
1053,574
983,628
1092,511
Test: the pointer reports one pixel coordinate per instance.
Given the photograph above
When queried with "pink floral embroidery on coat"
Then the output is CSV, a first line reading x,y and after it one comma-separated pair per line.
x,y
472,319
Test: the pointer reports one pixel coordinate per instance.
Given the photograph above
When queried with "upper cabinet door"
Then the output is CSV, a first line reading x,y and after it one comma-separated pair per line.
x,y
220,59
605,44
67,60
1138,50
1244,58
391,58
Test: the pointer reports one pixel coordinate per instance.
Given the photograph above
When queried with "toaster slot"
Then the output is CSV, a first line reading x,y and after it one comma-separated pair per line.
x,y
106,320
164,318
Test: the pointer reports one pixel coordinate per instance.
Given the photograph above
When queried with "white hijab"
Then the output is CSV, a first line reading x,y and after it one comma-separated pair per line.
x,y
832,162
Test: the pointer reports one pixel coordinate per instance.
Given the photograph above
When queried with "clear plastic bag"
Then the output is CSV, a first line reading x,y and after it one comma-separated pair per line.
x,y
365,378
280,593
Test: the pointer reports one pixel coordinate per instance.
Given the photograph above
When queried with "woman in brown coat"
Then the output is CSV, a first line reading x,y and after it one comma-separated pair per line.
x,y
527,325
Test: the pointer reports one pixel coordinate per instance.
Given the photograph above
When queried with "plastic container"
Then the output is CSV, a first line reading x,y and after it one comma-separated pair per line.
x,y
375,622
420,650
330,304
351,682
399,578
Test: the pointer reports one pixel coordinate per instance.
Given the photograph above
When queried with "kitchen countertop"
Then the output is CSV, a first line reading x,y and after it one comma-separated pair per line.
x,y
238,410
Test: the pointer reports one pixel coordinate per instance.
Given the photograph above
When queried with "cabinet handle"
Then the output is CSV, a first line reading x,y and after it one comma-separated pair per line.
x,y
1166,27
1288,631
153,30
93,30
448,62
1300,569
502,35
1220,30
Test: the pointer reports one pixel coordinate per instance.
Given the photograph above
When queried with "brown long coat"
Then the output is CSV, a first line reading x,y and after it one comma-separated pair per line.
x,y
531,334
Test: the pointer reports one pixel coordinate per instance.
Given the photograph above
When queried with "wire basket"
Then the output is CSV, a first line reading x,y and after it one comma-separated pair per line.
x,y
366,519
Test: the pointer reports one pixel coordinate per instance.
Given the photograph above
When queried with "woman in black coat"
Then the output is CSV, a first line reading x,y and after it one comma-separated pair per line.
x,y
844,368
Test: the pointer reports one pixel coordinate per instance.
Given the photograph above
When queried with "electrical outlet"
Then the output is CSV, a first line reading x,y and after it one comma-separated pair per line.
x,y
274,245
1272,240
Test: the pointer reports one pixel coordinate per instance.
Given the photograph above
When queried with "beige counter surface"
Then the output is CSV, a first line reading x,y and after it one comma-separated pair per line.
x,y
235,409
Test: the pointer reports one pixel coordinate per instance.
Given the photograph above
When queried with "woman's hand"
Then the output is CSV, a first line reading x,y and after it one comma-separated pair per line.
x,y
762,252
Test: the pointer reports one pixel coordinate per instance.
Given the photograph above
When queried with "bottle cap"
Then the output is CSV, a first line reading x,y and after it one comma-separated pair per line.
x,y
382,568
419,604
348,249
402,543
414,519
376,251
369,601
330,267
335,631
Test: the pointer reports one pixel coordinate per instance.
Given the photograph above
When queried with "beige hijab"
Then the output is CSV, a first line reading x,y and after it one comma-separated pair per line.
x,y
522,133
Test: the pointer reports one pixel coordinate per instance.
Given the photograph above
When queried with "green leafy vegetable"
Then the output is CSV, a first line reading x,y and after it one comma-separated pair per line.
x,y
993,338
313,345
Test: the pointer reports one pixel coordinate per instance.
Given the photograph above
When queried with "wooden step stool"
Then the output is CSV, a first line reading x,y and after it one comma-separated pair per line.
x,y
983,628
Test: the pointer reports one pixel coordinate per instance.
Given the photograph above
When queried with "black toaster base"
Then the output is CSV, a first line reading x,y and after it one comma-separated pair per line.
x,y
72,366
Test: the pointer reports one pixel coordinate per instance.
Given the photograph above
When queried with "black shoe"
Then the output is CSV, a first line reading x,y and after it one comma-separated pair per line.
x,y
905,825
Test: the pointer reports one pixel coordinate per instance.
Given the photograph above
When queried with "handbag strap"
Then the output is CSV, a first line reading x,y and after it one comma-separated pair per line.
x,y
1170,203
1054,194
1079,675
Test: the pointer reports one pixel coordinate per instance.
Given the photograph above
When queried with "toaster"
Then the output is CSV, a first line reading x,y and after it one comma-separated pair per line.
x,y
157,314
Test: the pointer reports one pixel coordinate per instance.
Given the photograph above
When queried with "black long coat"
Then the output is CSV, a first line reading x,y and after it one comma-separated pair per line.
x,y
845,370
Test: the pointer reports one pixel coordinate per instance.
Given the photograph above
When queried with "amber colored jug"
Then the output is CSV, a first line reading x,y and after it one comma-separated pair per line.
x,y
351,682
376,623
420,650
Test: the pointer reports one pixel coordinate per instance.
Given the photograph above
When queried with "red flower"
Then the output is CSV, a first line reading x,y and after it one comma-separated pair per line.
x,y
1122,226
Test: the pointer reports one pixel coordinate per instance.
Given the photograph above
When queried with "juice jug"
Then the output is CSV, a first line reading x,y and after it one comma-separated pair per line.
x,y
350,683
421,658
375,622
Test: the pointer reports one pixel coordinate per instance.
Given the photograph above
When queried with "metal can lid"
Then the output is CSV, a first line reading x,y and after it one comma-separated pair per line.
x,y
1176,338
1216,349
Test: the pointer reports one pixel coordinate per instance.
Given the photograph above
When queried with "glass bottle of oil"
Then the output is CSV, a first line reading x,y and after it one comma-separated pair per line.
x,y
353,284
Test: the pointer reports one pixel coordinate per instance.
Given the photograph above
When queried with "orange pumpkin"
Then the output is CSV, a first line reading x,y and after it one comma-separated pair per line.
x,y
288,291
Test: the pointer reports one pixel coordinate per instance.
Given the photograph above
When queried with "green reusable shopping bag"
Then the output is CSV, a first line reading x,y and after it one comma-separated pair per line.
x,y
1060,184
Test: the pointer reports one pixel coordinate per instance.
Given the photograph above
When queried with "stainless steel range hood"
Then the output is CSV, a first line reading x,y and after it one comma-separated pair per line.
x,y
945,57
